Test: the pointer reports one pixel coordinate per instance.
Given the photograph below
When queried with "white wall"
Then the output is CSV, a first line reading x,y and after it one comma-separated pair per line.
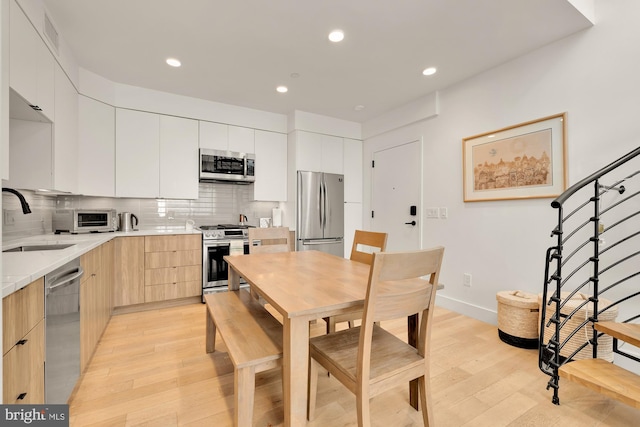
x,y
593,76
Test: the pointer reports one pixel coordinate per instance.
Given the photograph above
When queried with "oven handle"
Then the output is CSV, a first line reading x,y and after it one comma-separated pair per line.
x,y
215,243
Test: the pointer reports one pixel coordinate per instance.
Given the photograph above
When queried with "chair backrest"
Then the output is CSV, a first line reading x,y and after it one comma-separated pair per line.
x,y
367,239
272,239
400,284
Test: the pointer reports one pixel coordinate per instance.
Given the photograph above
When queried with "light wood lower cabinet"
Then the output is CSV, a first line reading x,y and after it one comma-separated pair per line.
x,y
173,267
95,298
129,271
23,345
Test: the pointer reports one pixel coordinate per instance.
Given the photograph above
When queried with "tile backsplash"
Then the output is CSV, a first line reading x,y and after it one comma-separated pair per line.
x,y
217,204
15,224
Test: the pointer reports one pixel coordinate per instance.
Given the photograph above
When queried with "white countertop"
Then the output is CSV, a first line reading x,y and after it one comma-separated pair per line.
x,y
21,268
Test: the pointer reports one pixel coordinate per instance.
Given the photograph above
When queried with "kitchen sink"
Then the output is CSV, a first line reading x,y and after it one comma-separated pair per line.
x,y
31,248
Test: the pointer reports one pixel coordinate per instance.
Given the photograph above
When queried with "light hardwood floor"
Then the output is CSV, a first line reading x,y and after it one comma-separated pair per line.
x,y
151,369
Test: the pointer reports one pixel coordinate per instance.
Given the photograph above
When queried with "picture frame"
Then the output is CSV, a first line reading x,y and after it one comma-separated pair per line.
x,y
523,161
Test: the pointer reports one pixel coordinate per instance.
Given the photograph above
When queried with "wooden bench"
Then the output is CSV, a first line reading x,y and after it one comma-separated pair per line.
x,y
254,342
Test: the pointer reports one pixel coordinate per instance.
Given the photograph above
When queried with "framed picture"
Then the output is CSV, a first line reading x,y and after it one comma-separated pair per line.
x,y
524,161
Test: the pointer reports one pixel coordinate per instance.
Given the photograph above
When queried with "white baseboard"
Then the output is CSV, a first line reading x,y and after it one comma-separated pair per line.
x,y
462,307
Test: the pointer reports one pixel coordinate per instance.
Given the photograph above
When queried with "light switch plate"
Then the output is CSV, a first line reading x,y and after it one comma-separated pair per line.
x,y
432,212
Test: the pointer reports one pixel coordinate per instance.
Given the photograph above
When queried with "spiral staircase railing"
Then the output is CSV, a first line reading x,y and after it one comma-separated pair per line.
x,y
594,264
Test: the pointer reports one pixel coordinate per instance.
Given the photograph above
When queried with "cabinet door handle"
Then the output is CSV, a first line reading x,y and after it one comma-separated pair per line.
x,y
22,396
22,342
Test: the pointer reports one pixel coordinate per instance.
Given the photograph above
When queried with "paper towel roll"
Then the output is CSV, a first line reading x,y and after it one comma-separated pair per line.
x,y
276,217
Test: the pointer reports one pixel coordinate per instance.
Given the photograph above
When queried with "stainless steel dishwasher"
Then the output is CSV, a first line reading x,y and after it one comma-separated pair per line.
x,y
62,325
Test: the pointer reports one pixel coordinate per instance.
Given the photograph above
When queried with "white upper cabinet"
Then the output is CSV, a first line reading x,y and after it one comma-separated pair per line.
x,y
31,65
218,136
241,140
137,154
178,158
214,136
352,170
332,154
65,139
271,166
319,153
97,148
308,151
156,155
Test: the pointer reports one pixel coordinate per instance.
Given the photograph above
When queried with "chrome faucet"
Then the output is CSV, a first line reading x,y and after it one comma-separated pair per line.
x,y
25,206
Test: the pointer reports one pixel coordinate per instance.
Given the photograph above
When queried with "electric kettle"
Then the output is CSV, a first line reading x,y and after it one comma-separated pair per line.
x,y
126,221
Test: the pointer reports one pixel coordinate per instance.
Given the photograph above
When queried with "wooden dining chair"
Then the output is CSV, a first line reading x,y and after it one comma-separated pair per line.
x,y
365,243
367,359
272,239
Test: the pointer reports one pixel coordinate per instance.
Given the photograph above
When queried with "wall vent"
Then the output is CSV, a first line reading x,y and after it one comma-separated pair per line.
x,y
51,32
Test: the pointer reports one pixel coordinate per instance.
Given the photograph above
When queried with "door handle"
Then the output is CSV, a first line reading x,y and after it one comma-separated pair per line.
x,y
411,223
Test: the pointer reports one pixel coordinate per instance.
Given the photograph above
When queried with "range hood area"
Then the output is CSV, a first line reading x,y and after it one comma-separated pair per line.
x,y
21,110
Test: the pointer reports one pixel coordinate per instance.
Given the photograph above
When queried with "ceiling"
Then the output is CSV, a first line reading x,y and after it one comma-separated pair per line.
x,y
237,52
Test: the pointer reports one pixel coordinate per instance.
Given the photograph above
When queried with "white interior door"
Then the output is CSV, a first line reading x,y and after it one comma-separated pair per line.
x,y
396,187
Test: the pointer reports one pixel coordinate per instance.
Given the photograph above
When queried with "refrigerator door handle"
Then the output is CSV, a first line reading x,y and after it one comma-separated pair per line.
x,y
324,205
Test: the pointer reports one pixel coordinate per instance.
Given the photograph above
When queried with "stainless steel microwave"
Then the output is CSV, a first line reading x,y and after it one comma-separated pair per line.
x,y
76,221
229,166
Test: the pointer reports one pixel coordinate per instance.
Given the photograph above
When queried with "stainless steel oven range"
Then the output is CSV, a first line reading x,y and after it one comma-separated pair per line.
x,y
217,242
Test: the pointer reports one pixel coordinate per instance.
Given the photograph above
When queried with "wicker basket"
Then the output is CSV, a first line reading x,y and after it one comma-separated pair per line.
x,y
518,318
605,342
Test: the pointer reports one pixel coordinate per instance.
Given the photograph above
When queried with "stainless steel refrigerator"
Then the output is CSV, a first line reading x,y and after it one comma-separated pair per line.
x,y
320,212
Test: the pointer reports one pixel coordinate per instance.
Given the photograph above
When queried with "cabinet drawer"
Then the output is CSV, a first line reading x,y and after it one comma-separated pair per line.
x,y
172,259
21,311
158,276
23,369
172,243
172,291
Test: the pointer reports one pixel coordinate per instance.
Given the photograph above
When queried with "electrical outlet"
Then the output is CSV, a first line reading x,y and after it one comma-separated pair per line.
x,y
466,280
432,212
444,214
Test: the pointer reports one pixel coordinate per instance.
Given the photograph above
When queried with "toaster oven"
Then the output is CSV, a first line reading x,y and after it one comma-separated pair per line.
x,y
76,221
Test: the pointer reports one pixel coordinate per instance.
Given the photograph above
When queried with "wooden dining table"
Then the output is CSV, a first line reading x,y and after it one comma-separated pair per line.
x,y
302,286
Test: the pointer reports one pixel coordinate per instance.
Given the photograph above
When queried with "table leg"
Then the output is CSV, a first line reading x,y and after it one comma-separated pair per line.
x,y
412,328
234,279
295,371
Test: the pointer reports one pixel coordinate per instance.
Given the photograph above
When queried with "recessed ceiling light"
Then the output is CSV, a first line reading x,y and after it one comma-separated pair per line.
x,y
429,71
282,89
336,36
359,107
173,62
295,75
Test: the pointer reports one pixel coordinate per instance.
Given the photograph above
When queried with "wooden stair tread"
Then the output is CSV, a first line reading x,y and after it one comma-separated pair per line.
x,y
627,332
605,378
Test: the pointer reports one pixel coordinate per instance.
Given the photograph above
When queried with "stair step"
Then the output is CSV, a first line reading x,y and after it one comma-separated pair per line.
x,y
627,332
605,378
